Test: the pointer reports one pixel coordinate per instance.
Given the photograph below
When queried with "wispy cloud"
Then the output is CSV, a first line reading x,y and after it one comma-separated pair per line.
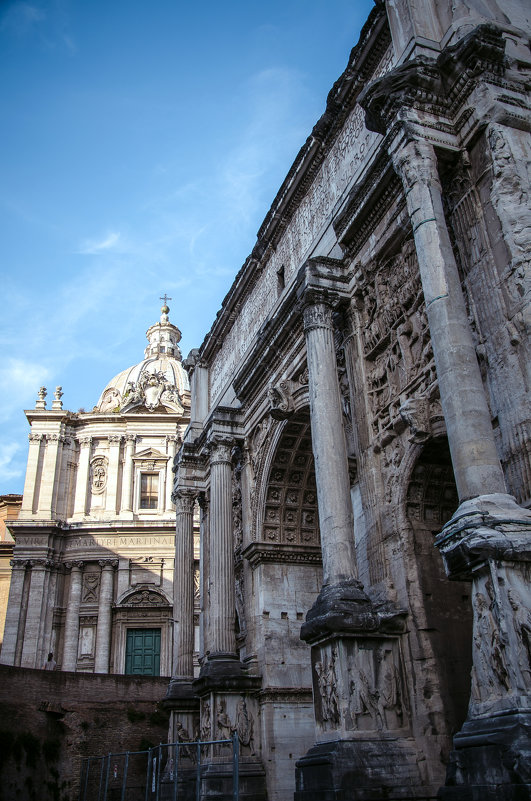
x,y
21,379
9,468
92,247
20,18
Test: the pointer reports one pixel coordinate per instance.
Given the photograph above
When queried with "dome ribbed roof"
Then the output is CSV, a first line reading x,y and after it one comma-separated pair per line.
x,y
159,380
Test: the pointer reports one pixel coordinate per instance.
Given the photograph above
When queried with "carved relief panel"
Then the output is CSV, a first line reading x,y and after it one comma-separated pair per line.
x,y
395,337
360,686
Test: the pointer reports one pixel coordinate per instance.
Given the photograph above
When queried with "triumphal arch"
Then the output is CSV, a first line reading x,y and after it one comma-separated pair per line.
x,y
359,444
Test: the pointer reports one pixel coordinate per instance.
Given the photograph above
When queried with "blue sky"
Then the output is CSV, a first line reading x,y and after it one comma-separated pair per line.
x,y
142,145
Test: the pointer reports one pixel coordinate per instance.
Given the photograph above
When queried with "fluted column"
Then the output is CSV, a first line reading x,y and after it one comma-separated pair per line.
x,y
80,502
71,637
183,596
103,632
221,607
172,449
28,505
34,621
13,613
127,481
112,474
475,460
328,444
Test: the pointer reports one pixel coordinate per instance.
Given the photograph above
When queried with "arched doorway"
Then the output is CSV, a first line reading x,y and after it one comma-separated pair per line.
x,y
430,502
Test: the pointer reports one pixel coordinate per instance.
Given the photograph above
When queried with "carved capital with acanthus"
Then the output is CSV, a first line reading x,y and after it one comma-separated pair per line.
x,y
317,315
85,442
111,564
221,447
35,437
77,565
115,439
416,162
184,499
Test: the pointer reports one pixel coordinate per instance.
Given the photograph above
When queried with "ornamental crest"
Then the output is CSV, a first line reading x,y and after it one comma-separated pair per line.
x,y
152,390
98,475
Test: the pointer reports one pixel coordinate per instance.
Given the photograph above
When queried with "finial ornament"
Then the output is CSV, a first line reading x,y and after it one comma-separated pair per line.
x,y
165,308
57,395
41,400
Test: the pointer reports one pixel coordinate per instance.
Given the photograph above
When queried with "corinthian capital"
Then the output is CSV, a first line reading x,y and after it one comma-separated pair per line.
x,y
317,314
416,162
221,446
184,500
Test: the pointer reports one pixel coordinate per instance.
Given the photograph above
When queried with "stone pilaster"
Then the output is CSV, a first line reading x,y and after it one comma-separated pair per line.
x,y
14,611
172,450
30,483
487,541
127,481
50,471
103,632
34,618
71,635
115,441
80,501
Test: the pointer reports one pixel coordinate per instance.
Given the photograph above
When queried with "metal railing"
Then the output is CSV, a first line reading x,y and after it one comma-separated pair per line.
x,y
167,772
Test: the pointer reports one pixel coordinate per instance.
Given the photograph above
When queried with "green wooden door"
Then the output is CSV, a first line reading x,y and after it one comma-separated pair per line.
x,y
142,652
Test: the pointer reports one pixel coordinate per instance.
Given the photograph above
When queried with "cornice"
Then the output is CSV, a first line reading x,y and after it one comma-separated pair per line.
x,y
364,57
259,552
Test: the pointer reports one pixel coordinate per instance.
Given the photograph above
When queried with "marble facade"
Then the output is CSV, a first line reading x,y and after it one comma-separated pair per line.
x,y
359,437
95,537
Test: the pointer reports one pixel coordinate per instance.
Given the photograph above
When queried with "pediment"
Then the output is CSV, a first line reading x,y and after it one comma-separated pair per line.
x,y
151,454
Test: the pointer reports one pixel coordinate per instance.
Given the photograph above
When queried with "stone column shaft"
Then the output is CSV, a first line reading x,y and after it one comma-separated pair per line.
x,y
103,632
329,448
475,460
14,609
71,637
221,607
80,502
112,474
34,615
183,594
127,481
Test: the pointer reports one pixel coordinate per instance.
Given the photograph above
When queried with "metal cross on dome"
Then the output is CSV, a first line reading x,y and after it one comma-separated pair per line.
x,y
165,299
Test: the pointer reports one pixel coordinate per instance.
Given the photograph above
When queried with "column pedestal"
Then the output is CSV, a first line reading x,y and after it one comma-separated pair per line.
x,y
488,542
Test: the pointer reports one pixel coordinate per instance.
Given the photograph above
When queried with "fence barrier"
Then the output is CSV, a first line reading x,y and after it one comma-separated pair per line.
x,y
167,772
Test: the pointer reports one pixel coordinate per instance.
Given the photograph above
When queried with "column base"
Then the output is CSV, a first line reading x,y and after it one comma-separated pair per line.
x,y
346,608
361,770
217,781
225,673
491,760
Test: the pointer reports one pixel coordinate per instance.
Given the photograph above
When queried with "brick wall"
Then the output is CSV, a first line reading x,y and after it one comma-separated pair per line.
x,y
50,721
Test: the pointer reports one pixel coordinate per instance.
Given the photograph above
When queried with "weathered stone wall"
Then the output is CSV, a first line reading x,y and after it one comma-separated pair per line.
x,y
51,720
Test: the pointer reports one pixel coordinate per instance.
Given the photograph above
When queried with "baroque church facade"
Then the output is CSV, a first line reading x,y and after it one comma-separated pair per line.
x,y
92,568
359,438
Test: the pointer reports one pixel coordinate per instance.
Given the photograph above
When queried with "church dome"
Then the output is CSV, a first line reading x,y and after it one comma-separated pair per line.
x,y
160,380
